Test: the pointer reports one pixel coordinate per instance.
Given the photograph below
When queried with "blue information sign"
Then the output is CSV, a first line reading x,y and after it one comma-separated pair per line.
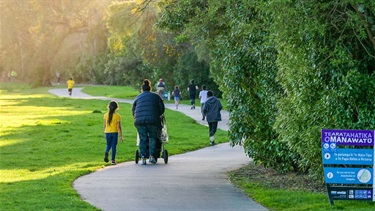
x,y
354,148
348,156
348,175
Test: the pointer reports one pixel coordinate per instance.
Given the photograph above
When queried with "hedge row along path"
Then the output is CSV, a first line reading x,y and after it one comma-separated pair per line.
x,y
191,181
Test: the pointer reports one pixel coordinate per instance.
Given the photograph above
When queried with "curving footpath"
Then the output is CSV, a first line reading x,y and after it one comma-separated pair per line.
x,y
192,181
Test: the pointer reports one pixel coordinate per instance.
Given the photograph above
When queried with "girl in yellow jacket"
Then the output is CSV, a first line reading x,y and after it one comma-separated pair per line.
x,y
112,129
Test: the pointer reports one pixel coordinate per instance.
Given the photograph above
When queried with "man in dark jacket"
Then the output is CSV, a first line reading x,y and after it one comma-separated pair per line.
x,y
211,110
192,89
147,109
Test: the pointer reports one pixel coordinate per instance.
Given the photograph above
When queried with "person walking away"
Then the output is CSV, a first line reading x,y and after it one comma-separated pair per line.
x,y
192,89
147,109
70,84
177,96
58,77
211,110
160,88
203,98
14,75
112,129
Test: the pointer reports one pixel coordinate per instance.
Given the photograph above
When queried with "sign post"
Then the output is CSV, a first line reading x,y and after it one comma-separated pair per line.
x,y
348,161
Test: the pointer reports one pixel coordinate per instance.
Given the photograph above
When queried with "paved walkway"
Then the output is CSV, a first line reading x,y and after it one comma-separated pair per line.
x,y
192,181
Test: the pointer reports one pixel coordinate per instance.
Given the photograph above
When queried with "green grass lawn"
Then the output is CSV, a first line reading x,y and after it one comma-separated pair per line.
x,y
47,142
111,91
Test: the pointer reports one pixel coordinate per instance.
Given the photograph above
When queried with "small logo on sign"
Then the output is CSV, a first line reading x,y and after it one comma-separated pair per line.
x,y
327,156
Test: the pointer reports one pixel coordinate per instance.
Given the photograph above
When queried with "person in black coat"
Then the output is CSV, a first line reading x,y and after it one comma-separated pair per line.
x,y
192,89
147,109
211,110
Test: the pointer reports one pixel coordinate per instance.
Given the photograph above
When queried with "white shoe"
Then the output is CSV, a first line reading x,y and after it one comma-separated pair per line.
x,y
212,140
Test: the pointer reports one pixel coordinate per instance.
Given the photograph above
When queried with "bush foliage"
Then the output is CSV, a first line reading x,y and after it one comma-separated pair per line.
x,y
287,70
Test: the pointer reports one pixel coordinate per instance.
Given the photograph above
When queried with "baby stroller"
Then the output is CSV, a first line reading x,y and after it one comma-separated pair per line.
x,y
160,151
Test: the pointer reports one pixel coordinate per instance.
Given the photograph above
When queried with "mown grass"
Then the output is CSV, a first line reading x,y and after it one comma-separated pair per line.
x,y
111,91
47,142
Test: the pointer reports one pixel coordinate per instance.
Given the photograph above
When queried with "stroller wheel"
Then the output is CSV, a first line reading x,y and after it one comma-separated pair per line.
x,y
165,156
137,156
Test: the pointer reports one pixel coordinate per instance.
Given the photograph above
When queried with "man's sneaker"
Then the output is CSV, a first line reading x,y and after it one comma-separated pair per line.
x,y
152,160
113,162
143,161
106,157
212,140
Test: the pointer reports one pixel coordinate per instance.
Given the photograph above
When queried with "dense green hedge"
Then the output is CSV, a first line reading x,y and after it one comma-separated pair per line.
x,y
287,69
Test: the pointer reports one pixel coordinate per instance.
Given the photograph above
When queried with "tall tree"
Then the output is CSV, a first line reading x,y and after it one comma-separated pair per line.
x,y
41,28
145,51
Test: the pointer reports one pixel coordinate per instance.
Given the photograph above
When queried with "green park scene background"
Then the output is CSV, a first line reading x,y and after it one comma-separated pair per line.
x,y
284,70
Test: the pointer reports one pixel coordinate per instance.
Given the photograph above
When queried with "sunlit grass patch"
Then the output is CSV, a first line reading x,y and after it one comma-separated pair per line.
x,y
12,86
46,142
112,91
17,175
4,142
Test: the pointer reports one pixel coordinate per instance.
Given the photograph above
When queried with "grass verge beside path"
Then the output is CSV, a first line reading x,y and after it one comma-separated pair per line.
x,y
47,142
289,192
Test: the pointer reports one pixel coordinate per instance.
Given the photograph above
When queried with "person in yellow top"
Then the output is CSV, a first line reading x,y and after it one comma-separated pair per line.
x,y
70,84
112,129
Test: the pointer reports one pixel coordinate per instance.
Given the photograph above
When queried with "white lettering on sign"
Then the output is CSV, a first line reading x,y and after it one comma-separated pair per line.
x,y
348,137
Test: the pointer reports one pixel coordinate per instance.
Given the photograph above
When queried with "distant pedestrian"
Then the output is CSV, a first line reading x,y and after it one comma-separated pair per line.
x,y
203,98
14,75
160,88
58,77
192,93
112,129
211,110
177,96
70,84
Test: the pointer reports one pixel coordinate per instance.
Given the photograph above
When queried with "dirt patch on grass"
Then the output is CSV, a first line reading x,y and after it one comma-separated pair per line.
x,y
273,179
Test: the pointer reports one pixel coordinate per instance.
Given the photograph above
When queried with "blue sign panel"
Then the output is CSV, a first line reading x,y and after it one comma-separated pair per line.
x,y
348,156
348,137
348,175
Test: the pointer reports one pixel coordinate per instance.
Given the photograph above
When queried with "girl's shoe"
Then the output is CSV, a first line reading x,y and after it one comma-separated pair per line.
x,y
106,157
113,162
